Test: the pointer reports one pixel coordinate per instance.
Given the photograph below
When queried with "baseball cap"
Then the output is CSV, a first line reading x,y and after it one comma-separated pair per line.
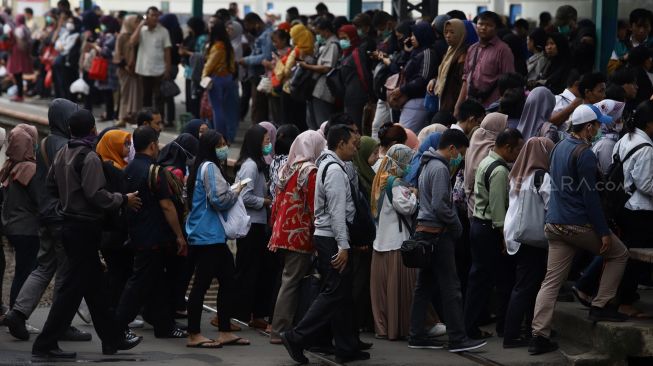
x,y
587,113
611,108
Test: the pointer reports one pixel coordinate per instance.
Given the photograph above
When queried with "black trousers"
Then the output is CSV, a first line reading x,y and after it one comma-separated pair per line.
x,y
530,268
152,93
82,278
293,112
490,268
192,100
148,286
18,78
120,262
212,261
333,306
255,274
637,233
107,98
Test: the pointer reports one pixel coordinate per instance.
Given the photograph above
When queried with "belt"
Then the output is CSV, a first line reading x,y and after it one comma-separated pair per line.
x,y
428,229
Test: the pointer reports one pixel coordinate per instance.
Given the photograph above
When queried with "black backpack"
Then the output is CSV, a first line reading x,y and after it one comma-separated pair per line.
x,y
615,194
362,230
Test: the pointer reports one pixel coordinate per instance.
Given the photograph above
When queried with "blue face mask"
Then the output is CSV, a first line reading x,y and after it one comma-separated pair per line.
x,y
345,44
222,153
319,39
267,149
564,29
455,162
360,33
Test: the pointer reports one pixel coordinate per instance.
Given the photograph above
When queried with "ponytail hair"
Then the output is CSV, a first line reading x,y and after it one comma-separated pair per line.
x,y
643,115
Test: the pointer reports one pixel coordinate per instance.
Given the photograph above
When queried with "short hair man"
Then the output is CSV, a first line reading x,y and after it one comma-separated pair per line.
x,y
592,87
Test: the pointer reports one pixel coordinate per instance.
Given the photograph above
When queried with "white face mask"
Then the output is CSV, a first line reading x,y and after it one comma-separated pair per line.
x,y
70,27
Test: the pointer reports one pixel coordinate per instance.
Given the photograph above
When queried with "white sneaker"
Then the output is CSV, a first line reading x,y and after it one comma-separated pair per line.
x,y
137,323
83,312
438,330
31,329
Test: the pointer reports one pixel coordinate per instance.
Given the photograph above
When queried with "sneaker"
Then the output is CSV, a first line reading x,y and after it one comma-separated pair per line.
x,y
294,350
83,312
438,330
32,329
421,343
356,356
467,345
540,345
606,314
137,323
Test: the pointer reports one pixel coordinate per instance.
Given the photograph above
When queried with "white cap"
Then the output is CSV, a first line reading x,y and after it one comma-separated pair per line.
x,y
587,113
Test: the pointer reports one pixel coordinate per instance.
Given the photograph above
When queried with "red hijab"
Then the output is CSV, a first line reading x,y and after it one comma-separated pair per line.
x,y
351,32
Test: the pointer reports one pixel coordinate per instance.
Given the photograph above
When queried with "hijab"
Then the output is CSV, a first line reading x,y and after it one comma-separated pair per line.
x,y
129,24
614,109
351,32
20,165
272,132
302,39
365,171
430,129
193,128
537,111
453,53
395,163
430,141
424,34
534,156
306,148
323,128
482,142
180,153
411,140
110,147
111,24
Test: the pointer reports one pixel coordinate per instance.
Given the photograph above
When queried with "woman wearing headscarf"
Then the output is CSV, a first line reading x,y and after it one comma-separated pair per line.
x,y
20,214
393,203
389,134
429,130
480,145
20,59
235,30
411,139
171,23
272,133
555,72
610,132
284,138
113,148
535,44
431,141
131,91
529,174
421,67
195,128
366,156
304,46
535,116
450,72
179,155
191,52
105,48
292,231
354,73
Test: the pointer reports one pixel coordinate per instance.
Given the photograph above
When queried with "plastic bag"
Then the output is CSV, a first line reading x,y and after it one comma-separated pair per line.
x,y
80,86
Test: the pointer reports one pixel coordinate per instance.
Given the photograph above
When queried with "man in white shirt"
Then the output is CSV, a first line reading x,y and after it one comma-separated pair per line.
x,y
471,115
566,102
153,58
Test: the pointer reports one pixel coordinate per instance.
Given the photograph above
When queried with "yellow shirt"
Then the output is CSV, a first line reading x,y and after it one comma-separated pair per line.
x,y
216,62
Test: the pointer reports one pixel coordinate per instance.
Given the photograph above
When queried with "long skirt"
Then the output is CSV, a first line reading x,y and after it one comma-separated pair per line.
x,y
391,288
131,96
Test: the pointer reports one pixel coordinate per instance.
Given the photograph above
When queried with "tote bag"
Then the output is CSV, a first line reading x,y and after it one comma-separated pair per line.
x,y
530,217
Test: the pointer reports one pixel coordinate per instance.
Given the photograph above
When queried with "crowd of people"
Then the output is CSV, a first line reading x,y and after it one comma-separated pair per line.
x,y
396,178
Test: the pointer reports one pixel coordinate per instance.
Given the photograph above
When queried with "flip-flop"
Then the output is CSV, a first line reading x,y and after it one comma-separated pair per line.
x,y
582,301
236,342
205,344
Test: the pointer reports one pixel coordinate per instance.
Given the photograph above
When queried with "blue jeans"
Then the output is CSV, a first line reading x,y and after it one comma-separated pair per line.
x,y
223,96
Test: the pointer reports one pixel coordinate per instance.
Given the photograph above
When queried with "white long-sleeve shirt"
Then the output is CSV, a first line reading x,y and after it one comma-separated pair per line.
x,y
388,236
638,169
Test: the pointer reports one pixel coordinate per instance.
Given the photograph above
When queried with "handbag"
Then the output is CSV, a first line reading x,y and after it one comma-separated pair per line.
x,y
531,214
393,83
169,89
237,222
334,81
99,69
417,252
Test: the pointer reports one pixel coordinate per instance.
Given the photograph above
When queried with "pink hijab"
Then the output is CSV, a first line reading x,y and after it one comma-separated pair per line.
x,y
306,148
412,140
20,165
272,132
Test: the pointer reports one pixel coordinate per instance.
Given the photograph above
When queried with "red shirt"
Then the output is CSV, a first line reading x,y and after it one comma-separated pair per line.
x,y
292,216
492,61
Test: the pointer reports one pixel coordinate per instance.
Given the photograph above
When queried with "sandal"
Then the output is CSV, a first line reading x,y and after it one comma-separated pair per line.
x,y
205,344
236,342
234,327
635,313
583,301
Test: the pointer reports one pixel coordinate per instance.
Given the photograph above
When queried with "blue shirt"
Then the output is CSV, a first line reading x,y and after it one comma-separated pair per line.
x,y
262,50
574,196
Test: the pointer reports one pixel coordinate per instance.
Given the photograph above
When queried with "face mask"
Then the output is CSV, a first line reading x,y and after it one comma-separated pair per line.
x,y
70,27
598,136
222,153
360,33
564,29
103,28
455,162
48,20
319,39
387,33
345,44
267,149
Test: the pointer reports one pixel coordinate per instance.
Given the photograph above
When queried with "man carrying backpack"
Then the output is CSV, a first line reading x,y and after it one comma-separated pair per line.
x,y
77,179
575,219
334,212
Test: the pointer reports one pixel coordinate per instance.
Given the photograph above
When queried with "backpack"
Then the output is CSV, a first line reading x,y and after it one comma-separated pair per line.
x,y
362,230
616,195
174,184
403,221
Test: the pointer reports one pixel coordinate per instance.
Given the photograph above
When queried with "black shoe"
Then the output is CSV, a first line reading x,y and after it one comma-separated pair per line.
x,y
425,343
175,333
73,334
540,345
364,346
294,350
467,345
606,314
53,353
16,324
124,345
323,350
516,343
356,356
